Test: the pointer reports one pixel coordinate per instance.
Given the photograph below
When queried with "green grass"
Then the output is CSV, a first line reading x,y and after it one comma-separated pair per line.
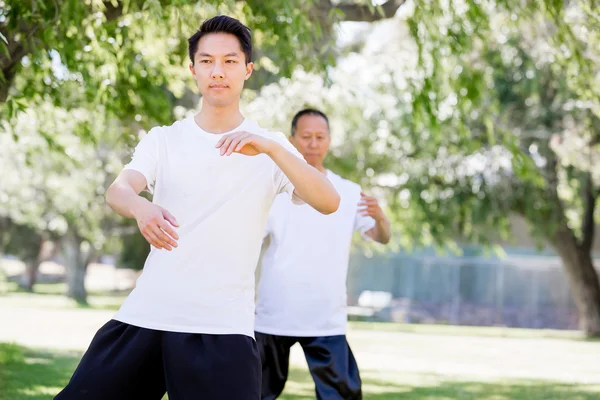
x,y
40,288
43,292
32,374
398,361
420,388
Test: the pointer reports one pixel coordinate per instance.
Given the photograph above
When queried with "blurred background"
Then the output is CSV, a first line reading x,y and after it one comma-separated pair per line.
x,y
476,123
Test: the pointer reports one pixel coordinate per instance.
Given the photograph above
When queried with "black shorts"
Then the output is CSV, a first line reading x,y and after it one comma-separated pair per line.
x,y
330,361
125,362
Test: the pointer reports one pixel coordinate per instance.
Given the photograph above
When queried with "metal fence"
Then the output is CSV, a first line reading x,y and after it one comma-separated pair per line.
x,y
518,291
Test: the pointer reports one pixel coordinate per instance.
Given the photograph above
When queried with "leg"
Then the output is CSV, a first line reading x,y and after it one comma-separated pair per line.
x,y
123,362
211,367
333,367
275,359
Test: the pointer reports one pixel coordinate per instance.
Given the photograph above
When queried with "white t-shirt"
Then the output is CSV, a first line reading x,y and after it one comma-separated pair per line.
x,y
302,288
206,284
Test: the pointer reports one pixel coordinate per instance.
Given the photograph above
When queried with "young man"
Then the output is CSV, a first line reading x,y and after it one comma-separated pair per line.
x,y
187,327
302,289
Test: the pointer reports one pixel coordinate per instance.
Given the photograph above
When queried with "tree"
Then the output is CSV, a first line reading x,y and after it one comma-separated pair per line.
x,y
491,121
48,196
121,63
127,55
519,79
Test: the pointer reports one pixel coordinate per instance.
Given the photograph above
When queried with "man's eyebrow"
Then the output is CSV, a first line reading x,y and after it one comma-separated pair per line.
x,y
232,54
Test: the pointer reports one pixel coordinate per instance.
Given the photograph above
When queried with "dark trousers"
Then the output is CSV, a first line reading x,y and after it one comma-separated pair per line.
x,y
330,361
125,362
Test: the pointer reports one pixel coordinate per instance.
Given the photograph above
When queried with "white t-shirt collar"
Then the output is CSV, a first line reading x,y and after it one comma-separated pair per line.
x,y
216,136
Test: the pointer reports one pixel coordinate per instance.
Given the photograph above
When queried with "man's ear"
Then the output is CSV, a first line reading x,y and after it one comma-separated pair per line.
x,y
249,69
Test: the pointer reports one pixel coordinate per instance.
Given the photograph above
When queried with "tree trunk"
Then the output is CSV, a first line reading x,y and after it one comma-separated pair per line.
x,y
46,251
583,279
30,276
76,267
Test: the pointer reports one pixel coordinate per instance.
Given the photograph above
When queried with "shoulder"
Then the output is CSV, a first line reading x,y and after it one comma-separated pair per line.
x,y
253,127
345,185
160,132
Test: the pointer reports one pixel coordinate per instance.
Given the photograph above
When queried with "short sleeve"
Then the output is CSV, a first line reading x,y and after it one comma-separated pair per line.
x,y
145,158
363,224
282,183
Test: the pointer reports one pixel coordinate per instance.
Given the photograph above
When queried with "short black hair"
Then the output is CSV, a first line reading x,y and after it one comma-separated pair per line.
x,y
223,24
307,111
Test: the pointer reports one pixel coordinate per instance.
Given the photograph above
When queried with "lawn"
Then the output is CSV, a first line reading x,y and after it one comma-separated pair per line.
x,y
31,374
42,337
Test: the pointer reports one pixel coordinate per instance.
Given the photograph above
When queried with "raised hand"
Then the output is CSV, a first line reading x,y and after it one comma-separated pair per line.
x,y
245,143
369,206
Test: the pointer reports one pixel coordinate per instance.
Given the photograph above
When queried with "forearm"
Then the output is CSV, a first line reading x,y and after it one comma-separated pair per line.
x,y
123,199
382,232
310,185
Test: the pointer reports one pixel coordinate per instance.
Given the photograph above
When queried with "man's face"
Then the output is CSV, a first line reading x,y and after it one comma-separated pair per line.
x,y
312,138
220,69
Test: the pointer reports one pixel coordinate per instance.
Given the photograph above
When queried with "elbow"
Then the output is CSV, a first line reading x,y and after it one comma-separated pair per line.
x,y
385,240
331,205
110,195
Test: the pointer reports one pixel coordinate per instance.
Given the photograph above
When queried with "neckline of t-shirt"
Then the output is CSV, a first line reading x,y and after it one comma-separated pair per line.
x,y
215,136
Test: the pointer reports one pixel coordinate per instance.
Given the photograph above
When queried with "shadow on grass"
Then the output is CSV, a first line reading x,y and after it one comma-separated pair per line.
x,y
301,387
33,374
27,374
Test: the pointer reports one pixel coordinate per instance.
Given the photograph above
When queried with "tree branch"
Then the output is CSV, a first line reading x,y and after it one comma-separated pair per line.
x,y
111,13
362,13
588,225
18,50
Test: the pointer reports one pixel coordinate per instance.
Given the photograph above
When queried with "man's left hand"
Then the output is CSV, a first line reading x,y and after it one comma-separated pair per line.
x,y
245,143
369,206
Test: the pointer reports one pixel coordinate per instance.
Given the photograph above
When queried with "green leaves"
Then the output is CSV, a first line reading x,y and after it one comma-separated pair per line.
x,y
14,106
130,56
517,64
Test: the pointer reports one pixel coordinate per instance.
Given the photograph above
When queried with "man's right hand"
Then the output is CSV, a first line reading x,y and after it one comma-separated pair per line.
x,y
156,225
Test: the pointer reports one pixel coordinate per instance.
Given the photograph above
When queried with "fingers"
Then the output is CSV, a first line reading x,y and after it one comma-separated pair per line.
x,y
243,143
160,234
366,211
226,141
364,196
229,143
163,239
168,234
172,220
368,206
238,143
368,201
153,239
220,142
